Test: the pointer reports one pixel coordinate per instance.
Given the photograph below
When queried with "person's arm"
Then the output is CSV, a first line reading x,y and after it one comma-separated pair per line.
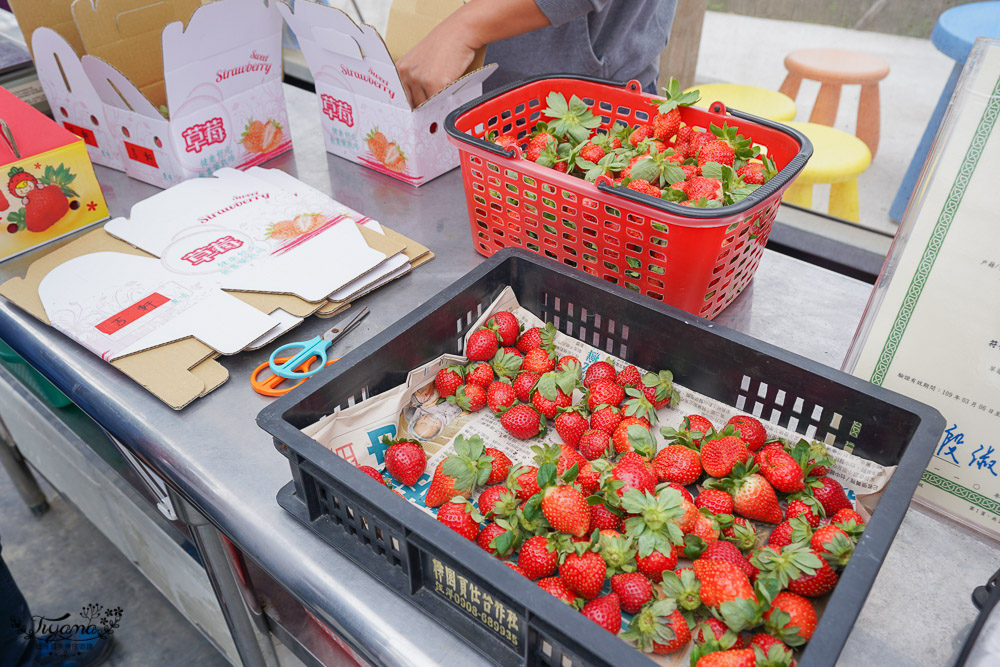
x,y
447,51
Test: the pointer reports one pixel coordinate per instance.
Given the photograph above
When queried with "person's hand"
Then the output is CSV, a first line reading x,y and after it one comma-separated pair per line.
x,y
437,60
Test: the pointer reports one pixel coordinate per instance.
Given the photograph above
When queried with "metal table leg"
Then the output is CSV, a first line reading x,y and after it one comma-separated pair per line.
x,y
24,481
249,631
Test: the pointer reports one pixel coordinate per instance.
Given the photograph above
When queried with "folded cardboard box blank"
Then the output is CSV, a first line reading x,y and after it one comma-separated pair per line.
x,y
163,90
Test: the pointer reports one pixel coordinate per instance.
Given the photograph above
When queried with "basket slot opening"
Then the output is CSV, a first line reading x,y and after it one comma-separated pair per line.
x,y
762,389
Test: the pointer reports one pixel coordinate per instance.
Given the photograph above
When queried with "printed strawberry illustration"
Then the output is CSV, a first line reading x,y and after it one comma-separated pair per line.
x,y
377,144
45,199
297,226
272,136
394,158
253,137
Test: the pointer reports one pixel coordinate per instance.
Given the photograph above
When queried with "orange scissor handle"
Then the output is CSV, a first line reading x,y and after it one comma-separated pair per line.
x,y
275,385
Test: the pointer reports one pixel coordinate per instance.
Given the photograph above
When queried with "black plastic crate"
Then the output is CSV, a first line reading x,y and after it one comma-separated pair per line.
x,y
411,553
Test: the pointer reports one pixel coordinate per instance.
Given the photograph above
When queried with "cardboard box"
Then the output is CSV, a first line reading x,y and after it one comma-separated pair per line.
x,y
366,115
50,190
165,91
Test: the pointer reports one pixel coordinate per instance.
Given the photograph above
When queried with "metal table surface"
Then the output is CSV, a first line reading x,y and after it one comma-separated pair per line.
x,y
213,453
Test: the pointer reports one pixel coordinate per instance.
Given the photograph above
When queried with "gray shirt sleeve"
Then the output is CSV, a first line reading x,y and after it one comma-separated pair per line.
x,y
561,11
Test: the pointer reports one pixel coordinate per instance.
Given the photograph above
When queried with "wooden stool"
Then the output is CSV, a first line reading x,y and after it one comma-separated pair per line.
x,y
758,101
834,68
838,159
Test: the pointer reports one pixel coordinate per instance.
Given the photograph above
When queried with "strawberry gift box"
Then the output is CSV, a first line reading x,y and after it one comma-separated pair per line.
x,y
49,188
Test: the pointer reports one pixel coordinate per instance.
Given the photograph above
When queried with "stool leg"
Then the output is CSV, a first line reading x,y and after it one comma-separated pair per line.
x,y
791,84
844,200
800,195
868,116
825,110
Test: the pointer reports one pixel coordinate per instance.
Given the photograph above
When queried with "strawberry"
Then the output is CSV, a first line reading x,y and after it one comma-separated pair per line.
x,y
373,473
566,509
743,657
523,384
814,585
500,394
550,407
665,124
640,134
505,141
405,460
620,437
684,135
572,119
538,360
599,370
570,425
643,186
605,611
633,590
697,426
818,464
497,500
754,498
506,326
716,151
479,373
833,544
591,152
583,573
682,490
469,397
606,418
506,363
628,377
713,629
676,463
698,139
667,120
448,380
802,509
791,618
658,628
655,564
787,532
604,392
765,642
460,517
701,187
721,582
846,514
601,518
537,337
634,476
487,540
727,551
715,501
594,444
588,479
514,567
742,533
718,456
539,143
830,495
781,470
522,422
499,467
705,527
523,481
752,173
750,430
537,557
459,473
481,346
557,587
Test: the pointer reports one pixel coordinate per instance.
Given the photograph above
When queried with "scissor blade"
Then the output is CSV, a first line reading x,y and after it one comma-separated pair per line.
x,y
335,333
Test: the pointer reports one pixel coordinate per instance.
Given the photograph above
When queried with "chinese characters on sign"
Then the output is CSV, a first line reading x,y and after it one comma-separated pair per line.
x,y
209,252
204,134
129,315
478,603
982,457
335,109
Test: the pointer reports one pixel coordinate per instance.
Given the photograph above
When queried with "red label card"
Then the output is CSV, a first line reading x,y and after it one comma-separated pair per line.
x,y
140,154
87,135
126,317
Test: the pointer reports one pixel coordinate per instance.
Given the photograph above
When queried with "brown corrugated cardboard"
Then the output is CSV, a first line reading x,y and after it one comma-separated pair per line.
x,y
54,14
412,20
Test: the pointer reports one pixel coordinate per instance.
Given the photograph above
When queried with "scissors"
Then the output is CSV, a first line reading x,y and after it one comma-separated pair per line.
x,y
275,385
292,365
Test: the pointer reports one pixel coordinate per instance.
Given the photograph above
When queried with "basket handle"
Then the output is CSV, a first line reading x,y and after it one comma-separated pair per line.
x,y
718,107
633,86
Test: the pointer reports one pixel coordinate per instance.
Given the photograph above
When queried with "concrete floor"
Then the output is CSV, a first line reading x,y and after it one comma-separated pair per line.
x,y
61,562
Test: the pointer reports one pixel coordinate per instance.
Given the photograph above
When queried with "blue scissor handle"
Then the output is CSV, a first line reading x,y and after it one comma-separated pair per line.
x,y
315,347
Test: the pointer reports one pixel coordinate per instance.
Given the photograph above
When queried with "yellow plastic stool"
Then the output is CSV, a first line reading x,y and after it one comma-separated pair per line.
x,y
838,159
758,101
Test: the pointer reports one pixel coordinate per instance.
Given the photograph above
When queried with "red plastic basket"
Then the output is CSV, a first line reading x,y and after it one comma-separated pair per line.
x,y
695,259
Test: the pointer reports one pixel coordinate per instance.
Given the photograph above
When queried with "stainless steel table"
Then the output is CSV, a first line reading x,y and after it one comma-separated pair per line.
x,y
214,456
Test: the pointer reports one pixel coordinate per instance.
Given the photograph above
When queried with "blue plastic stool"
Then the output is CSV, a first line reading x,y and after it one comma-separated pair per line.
x,y
953,35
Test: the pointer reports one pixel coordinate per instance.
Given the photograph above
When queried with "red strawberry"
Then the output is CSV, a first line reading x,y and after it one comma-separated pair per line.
x,y
698,139
549,405
601,518
794,618
505,141
523,481
497,499
620,436
750,430
718,456
469,397
802,509
633,590
592,152
448,380
499,467
787,532
514,567
537,337
605,611
683,491
728,552
594,443
629,377
460,518
634,476
721,582
715,501
752,173
705,527
506,326
655,564
643,186
754,498
570,425
536,559
830,495
781,470
558,588
697,424
604,392
814,585
458,474
481,346
500,395
506,363
658,388
442,488
846,514
486,538
716,151
538,361
584,573
599,370
658,628
606,419
405,460
539,143
479,373
765,642
566,509
373,473
712,628
523,422
640,134
589,479
568,361
676,463
700,187
523,384
743,657
665,125
833,544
